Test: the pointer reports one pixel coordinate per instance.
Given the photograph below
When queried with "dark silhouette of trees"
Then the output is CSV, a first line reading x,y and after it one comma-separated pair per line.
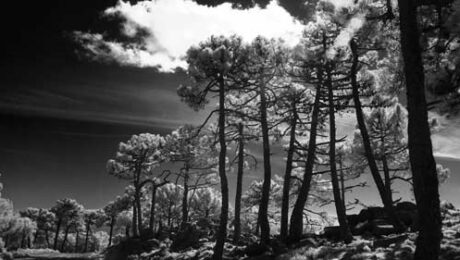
x,y
422,161
211,67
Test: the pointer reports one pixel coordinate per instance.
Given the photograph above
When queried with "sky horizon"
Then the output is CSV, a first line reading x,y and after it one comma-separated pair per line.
x,y
72,89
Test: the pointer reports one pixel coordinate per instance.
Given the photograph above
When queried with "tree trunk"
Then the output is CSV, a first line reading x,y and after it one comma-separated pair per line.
x,y
88,230
264,201
47,238
152,207
185,198
386,174
342,183
239,184
23,239
296,224
287,174
222,233
112,223
134,222
56,236
339,205
421,157
139,210
127,231
367,144
36,235
169,216
65,237
76,240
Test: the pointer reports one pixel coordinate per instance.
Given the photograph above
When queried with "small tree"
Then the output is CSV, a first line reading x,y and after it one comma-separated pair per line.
x,y
66,211
113,209
134,162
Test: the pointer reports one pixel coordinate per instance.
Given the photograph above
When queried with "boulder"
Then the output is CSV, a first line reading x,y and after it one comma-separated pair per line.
x,y
406,205
256,249
371,213
332,232
386,242
354,220
188,236
130,246
383,230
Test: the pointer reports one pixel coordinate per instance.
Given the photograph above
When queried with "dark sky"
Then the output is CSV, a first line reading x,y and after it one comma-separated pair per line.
x,y
62,117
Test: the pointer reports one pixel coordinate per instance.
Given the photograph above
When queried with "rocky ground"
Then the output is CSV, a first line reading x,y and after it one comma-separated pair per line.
x,y
366,245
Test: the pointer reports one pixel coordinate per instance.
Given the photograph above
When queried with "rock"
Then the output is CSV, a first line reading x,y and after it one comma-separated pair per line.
x,y
278,247
332,232
361,228
408,218
406,205
131,246
372,213
187,237
381,230
353,220
386,242
256,249
310,242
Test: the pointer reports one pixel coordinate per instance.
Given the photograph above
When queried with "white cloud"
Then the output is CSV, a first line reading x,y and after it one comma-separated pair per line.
x,y
347,33
446,140
175,25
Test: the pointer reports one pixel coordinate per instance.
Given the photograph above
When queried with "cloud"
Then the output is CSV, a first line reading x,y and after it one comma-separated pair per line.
x,y
446,139
346,34
172,26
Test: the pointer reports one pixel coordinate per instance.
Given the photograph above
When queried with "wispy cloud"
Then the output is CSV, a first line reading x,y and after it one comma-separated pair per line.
x,y
173,26
446,139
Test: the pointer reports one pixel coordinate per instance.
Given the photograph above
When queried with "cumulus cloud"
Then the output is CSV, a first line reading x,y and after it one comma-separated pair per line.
x,y
172,26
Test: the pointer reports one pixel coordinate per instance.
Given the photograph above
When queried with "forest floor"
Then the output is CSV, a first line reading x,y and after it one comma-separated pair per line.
x,y
317,247
42,254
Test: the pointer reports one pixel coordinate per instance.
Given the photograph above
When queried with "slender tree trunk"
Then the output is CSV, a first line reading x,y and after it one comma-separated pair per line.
x,y
339,205
23,239
127,231
47,238
56,236
7,241
342,183
36,235
65,237
77,236
112,223
134,221
386,175
88,230
139,210
367,145
185,198
152,207
422,161
239,184
296,224
160,226
169,216
222,233
264,201
287,174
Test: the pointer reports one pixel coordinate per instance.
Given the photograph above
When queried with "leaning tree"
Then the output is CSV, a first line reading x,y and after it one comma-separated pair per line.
x,y
211,66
